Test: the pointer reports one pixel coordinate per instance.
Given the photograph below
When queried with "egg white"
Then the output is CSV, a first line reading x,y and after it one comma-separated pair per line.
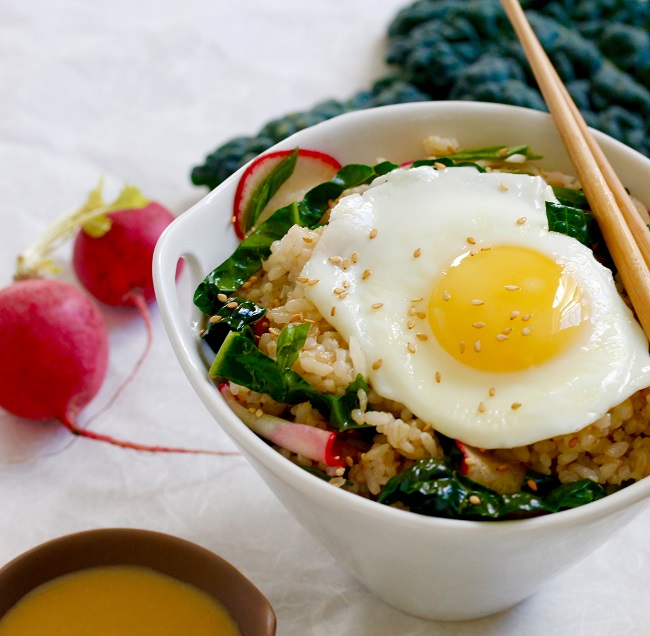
x,y
403,232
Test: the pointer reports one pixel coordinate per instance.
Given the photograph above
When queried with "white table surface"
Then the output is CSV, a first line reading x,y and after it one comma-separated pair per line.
x,y
140,92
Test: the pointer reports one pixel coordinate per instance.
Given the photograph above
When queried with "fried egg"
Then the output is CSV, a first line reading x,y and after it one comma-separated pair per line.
x,y
458,302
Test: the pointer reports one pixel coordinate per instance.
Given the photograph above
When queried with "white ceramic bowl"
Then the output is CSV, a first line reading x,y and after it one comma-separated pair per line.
x,y
434,568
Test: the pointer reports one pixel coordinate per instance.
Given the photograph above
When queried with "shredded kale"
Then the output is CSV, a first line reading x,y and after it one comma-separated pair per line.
x,y
435,488
227,319
571,221
493,153
240,361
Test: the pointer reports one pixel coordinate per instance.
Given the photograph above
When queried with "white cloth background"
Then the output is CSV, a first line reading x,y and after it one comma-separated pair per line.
x,y
140,92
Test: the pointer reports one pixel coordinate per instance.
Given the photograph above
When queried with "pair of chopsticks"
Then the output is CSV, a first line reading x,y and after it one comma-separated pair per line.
x,y
625,234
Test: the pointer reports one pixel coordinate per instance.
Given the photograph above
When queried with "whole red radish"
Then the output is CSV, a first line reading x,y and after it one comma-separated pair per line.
x,y
53,340
115,266
54,350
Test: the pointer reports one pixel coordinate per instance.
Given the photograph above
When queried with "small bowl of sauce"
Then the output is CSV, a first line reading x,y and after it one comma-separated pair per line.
x,y
129,582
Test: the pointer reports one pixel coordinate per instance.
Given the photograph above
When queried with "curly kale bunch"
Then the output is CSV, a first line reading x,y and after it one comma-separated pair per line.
x,y
467,50
228,158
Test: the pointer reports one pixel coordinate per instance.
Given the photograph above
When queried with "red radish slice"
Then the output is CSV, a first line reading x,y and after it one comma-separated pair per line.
x,y
501,476
312,168
315,443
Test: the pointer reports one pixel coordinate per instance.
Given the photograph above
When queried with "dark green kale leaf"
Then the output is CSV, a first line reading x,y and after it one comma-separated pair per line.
x,y
571,197
571,221
256,247
433,487
240,361
239,318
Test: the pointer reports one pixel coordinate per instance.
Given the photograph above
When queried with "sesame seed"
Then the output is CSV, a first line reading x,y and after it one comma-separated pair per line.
x,y
481,407
376,364
410,324
335,260
201,332
417,300
338,290
515,405
343,295
296,318
421,314
526,331
477,346
251,409
462,346
259,413
417,252
471,240
506,331
475,500
446,296
486,248
247,285
422,336
307,239
501,337
232,305
216,318
312,282
346,284
377,305
332,311
504,187
503,151
573,442
521,220
492,391
411,311
438,165
502,468
253,278
526,317
411,347
438,377
532,484
346,263
477,302
222,298
233,219
373,233
514,314
366,273
478,325
355,257
511,287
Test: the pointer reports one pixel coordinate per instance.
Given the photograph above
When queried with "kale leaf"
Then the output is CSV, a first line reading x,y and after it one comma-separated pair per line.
x,y
435,488
240,361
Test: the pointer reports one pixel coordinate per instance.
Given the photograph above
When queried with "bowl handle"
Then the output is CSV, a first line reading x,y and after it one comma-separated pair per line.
x,y
182,329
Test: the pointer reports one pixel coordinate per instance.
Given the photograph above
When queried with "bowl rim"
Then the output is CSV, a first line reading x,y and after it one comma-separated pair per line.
x,y
251,444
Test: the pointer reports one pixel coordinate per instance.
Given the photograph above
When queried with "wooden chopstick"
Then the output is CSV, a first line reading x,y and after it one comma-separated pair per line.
x,y
603,189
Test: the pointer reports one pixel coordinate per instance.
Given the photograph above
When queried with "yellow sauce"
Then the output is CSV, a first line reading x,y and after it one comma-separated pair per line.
x,y
117,601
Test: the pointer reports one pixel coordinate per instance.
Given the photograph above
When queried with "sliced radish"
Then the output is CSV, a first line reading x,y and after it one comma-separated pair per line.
x,y
504,477
311,442
312,167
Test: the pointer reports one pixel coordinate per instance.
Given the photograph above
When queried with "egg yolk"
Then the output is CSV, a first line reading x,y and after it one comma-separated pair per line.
x,y
506,308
